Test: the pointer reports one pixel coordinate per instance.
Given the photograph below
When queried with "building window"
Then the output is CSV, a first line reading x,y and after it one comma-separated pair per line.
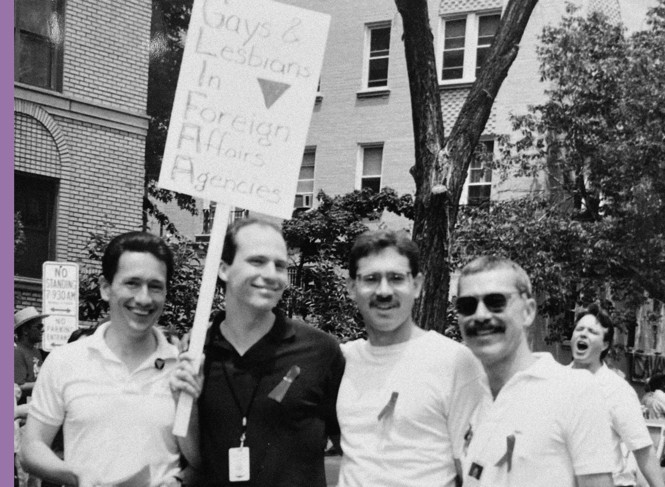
x,y
465,45
305,189
377,53
34,201
478,187
487,27
372,162
38,41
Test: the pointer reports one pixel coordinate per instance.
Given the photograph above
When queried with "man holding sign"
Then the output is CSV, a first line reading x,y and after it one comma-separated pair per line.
x,y
268,399
110,391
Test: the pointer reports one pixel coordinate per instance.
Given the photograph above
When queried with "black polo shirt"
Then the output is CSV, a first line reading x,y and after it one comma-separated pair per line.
x,y
286,439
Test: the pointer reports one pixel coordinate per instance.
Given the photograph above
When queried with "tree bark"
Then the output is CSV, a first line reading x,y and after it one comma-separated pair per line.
x,y
441,165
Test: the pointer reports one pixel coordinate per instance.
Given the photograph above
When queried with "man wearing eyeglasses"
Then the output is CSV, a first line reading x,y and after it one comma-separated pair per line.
x,y
407,395
546,425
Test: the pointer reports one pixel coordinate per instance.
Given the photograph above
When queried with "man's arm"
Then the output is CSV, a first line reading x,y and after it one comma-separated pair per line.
x,y
334,379
184,378
648,463
595,480
37,457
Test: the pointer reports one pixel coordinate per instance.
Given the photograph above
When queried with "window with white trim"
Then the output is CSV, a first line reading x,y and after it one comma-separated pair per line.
x,y
377,54
372,165
465,43
477,189
38,41
305,189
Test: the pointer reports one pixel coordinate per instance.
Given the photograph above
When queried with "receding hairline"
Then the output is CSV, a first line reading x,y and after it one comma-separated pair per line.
x,y
481,265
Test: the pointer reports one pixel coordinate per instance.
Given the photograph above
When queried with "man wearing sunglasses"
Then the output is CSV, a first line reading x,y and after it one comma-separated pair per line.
x,y
407,395
546,425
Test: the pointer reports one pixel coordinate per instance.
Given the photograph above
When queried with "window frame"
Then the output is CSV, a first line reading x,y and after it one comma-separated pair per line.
x,y
56,49
308,150
367,55
472,25
49,187
360,177
464,197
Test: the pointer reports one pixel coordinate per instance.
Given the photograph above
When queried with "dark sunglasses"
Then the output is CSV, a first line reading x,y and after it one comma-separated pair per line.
x,y
494,302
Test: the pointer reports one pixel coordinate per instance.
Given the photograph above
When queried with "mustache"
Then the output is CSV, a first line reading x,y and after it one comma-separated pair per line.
x,y
476,327
380,300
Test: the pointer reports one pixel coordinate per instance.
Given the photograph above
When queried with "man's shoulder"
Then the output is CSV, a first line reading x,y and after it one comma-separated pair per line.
x,y
445,349
70,352
567,384
305,331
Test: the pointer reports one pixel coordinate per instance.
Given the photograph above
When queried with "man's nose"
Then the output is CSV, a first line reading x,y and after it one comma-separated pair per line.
x,y
143,295
270,272
482,313
384,288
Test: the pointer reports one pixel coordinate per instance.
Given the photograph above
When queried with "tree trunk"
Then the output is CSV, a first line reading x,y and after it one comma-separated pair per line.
x,y
441,165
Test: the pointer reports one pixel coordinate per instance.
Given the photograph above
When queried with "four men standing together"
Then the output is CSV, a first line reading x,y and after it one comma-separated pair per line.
x,y
415,408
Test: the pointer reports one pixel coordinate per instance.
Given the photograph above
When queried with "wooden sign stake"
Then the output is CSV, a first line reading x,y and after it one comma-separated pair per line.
x,y
203,307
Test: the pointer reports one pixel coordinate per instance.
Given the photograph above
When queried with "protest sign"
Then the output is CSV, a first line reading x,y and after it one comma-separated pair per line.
x,y
243,104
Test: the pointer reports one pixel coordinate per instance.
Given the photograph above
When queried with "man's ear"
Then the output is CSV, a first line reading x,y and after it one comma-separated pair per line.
x,y
351,287
530,310
104,288
418,283
222,273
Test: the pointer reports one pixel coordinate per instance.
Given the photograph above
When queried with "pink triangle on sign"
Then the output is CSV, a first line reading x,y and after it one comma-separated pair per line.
x,y
272,90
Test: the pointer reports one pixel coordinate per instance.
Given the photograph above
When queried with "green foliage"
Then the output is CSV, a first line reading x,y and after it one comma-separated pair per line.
x,y
599,140
323,238
183,291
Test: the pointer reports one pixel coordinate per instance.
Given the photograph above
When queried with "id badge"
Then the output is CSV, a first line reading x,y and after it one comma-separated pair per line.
x,y
239,464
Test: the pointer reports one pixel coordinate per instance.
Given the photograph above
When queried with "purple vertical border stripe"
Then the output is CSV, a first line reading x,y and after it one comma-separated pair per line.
x,y
7,241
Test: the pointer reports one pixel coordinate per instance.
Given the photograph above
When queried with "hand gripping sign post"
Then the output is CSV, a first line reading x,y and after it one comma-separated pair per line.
x,y
242,107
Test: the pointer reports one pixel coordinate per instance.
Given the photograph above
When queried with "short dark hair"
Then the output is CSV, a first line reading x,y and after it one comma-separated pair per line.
x,y
374,241
136,242
230,239
656,383
603,317
488,263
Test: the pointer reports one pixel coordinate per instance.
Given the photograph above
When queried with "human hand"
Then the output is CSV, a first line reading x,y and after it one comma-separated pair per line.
x,y
89,479
187,376
182,343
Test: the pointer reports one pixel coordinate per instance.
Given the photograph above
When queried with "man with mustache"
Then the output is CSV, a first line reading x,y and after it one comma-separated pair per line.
x,y
546,425
267,402
407,395
591,341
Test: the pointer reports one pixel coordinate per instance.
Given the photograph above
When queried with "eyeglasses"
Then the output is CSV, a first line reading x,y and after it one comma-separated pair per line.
x,y
373,280
494,302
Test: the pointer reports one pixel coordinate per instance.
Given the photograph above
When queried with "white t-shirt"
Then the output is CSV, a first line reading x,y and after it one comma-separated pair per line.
x,y
546,425
628,426
115,422
437,382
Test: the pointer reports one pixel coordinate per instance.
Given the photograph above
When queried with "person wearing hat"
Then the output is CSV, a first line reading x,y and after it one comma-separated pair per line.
x,y
28,328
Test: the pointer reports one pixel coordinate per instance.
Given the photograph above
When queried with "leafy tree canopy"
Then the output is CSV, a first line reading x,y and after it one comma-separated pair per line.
x,y
599,231
322,238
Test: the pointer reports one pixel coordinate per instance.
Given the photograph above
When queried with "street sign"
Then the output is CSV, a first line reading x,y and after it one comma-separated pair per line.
x,y
245,96
60,300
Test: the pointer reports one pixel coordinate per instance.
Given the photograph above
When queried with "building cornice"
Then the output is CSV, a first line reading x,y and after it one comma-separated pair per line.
x,y
69,107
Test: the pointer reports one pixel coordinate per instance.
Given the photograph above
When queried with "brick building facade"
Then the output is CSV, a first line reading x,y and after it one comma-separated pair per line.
x,y
80,123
